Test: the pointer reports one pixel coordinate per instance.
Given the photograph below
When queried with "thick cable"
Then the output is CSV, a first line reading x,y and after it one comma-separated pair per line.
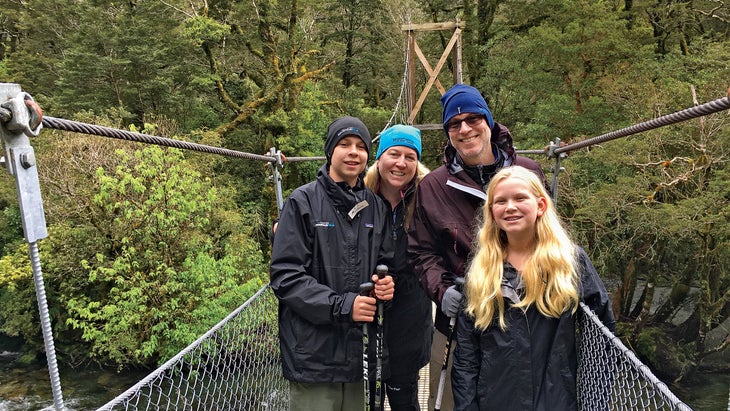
x,y
398,103
40,290
79,127
686,114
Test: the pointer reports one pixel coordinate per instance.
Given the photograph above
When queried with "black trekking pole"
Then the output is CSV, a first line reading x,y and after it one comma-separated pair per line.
x,y
365,289
381,270
459,282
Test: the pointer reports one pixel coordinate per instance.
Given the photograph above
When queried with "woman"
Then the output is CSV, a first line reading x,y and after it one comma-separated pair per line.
x,y
516,337
408,321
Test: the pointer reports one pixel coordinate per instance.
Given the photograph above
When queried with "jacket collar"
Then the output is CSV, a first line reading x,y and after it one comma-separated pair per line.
x,y
343,197
512,285
481,174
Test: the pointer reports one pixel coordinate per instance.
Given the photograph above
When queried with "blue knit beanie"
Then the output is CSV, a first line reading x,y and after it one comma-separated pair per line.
x,y
464,99
343,127
400,135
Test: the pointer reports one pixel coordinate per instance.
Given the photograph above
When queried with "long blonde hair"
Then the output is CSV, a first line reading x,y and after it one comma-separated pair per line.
x,y
372,181
549,274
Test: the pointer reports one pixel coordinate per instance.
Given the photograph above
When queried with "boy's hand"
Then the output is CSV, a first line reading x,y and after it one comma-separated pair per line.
x,y
363,309
384,287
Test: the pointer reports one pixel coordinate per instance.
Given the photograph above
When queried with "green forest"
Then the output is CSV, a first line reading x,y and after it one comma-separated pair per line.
x,y
148,247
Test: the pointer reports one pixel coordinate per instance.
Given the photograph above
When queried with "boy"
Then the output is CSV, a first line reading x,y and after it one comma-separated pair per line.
x,y
332,234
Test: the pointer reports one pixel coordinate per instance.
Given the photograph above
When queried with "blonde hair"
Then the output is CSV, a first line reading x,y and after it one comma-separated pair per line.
x,y
549,274
372,181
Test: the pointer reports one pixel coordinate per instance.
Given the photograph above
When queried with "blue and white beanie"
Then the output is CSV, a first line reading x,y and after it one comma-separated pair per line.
x,y
400,135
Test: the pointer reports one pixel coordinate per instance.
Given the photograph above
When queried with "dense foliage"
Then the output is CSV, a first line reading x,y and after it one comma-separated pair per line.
x,y
149,247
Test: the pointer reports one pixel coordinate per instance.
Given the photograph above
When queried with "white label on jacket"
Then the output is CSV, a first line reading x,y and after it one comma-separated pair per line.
x,y
466,189
358,207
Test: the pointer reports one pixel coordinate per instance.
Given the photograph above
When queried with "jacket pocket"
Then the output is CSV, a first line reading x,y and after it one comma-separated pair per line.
x,y
320,344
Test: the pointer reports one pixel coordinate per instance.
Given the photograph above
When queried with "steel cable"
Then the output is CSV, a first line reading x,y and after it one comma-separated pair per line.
x,y
79,127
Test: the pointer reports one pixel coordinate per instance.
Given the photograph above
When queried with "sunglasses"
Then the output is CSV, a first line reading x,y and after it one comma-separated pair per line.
x,y
471,121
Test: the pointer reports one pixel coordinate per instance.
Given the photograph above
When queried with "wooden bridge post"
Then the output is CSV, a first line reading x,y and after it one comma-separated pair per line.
x,y
414,50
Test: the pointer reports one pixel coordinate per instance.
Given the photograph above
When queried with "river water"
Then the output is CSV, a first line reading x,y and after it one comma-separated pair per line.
x,y
710,392
26,388
29,388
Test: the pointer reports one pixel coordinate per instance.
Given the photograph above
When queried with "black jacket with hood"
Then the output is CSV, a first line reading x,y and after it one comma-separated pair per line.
x,y
321,254
533,364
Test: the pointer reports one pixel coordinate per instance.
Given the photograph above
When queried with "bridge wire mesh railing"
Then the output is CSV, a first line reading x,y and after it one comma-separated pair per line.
x,y
234,366
611,377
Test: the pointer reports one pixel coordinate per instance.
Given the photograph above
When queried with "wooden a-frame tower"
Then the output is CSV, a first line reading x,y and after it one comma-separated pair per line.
x,y
453,48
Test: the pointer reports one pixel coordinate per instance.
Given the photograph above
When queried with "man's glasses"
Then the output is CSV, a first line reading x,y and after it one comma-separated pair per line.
x,y
471,121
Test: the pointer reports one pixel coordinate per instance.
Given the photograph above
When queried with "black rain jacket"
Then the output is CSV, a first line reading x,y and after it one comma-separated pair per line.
x,y
533,364
409,319
322,252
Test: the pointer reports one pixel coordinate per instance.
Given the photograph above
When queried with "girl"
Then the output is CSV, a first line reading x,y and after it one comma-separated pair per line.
x,y
516,337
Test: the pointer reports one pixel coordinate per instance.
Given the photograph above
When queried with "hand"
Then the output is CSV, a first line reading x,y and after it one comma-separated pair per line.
x,y
451,301
384,287
363,309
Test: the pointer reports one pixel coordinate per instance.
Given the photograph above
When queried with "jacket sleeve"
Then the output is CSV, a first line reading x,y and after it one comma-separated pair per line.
x,y
423,251
291,262
593,291
465,370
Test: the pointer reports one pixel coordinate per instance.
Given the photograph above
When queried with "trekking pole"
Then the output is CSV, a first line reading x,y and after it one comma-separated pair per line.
x,y
452,327
381,270
365,289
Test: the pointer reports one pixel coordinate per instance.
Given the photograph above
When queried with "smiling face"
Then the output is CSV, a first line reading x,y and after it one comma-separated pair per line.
x,y
515,208
397,167
349,159
471,136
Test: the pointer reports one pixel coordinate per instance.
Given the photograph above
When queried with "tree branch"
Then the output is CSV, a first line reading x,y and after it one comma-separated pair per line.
x,y
251,106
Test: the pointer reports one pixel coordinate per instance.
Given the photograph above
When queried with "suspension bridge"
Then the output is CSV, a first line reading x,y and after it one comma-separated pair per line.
x,y
235,365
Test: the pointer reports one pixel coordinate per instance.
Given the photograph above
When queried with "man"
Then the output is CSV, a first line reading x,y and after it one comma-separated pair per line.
x,y
447,205
332,234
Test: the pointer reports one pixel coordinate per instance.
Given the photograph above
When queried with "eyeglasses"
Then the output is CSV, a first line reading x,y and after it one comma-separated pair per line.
x,y
471,121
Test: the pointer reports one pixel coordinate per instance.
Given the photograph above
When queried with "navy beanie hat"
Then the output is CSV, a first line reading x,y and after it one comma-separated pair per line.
x,y
343,127
400,135
464,99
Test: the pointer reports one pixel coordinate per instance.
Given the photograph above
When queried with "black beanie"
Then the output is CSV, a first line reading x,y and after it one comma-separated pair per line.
x,y
343,127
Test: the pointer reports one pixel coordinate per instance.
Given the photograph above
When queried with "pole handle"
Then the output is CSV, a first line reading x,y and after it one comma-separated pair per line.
x,y
381,270
365,288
